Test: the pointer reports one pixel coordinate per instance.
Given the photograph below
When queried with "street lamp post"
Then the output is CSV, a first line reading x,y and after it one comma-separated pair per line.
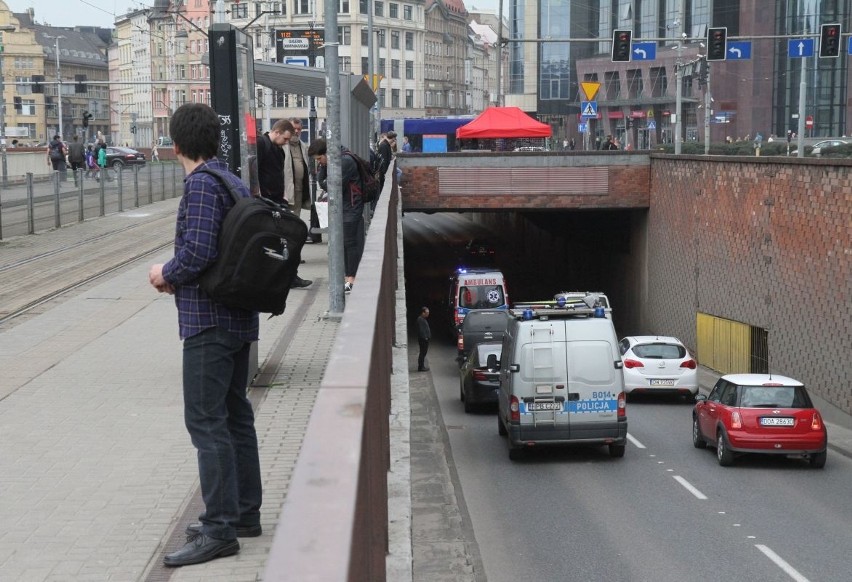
x,y
58,83
3,144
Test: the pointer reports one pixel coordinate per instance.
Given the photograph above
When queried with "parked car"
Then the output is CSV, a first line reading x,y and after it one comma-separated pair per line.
x,y
479,375
828,143
759,413
479,252
118,157
480,325
658,365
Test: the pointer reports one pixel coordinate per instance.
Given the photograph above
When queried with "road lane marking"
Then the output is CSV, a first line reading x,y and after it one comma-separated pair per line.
x,y
689,487
633,440
788,569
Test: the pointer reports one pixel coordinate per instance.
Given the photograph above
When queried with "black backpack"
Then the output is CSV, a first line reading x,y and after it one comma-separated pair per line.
x,y
259,250
369,187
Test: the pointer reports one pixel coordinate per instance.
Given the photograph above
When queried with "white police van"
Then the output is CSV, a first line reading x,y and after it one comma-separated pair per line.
x,y
561,380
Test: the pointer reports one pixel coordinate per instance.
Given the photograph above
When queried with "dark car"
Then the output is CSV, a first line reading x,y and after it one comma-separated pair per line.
x,y
118,157
479,375
479,252
480,325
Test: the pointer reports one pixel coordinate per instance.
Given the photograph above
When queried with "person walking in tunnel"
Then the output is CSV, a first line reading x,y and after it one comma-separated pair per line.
x,y
424,335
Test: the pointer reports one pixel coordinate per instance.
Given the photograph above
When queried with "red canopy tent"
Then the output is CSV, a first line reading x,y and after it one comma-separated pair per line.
x,y
505,122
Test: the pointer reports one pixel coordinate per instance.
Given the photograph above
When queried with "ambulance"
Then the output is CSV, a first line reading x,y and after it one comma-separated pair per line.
x,y
561,379
475,289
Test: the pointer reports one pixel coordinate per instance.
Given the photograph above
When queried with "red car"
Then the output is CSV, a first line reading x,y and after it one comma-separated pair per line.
x,y
759,413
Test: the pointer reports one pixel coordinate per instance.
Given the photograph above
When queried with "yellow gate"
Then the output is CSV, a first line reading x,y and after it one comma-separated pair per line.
x,y
724,345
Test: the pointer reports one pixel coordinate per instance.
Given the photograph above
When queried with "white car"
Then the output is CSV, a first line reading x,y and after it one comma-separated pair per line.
x,y
655,364
829,143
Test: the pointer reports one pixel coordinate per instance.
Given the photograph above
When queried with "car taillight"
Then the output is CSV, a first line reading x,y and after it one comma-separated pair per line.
x,y
130,156
458,317
514,410
622,405
480,375
689,364
736,420
816,422
460,342
633,364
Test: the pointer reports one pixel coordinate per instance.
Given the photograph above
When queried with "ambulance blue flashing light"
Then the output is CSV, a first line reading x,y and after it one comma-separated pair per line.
x,y
528,314
560,302
600,312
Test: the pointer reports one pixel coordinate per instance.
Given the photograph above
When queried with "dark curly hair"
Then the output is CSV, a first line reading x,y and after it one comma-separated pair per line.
x,y
194,128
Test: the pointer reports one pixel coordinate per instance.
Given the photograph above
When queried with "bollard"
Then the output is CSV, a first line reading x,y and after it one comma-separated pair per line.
x,y
30,204
150,184
56,206
163,180
120,175
80,208
103,191
136,186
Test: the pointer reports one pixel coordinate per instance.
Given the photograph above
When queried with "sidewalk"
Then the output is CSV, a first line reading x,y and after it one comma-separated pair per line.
x,y
97,474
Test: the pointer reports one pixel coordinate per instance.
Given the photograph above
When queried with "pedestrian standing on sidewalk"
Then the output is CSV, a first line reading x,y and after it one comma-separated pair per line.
x,y
424,334
76,157
155,153
216,344
56,153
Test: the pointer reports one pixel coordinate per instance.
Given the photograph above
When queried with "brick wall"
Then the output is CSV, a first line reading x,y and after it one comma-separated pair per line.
x,y
764,242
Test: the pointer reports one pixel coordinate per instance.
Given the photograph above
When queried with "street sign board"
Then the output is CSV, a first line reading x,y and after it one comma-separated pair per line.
x,y
290,44
809,121
644,51
798,48
590,89
849,49
739,50
652,124
300,61
589,109
583,127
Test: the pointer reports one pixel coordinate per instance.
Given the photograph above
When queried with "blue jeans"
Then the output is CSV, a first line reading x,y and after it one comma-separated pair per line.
x,y
220,422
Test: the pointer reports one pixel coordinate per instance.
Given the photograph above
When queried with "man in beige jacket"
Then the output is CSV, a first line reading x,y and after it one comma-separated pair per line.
x,y
297,181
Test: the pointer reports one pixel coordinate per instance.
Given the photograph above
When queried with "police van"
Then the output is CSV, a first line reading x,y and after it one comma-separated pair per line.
x,y
561,380
475,289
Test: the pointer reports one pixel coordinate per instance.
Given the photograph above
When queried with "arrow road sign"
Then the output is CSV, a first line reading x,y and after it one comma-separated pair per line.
x,y
739,50
644,51
798,48
589,109
849,50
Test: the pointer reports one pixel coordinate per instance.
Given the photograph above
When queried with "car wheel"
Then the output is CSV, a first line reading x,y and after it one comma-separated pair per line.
x,y
617,451
690,398
468,406
723,453
515,453
817,460
697,440
117,165
461,392
501,428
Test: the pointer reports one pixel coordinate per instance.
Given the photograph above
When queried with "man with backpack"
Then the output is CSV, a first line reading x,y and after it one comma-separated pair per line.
x,y
216,344
56,153
76,157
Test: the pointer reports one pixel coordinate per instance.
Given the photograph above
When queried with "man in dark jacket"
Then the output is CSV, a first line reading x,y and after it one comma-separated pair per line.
x,y
76,157
270,170
424,334
352,203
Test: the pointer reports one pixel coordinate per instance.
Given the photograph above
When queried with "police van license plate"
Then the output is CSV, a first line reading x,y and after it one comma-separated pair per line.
x,y
540,406
659,382
776,421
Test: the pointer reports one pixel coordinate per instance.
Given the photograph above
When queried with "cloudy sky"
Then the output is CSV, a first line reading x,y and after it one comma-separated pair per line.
x,y
103,12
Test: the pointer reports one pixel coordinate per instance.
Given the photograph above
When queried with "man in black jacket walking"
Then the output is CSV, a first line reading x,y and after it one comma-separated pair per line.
x,y
424,334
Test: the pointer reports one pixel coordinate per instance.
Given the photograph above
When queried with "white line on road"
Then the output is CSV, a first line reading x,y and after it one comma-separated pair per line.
x,y
689,487
633,440
788,569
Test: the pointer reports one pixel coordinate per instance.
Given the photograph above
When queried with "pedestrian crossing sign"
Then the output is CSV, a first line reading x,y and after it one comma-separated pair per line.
x,y
589,109
652,124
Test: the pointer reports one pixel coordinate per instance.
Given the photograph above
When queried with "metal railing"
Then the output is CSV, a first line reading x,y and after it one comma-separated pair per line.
x,y
334,523
45,201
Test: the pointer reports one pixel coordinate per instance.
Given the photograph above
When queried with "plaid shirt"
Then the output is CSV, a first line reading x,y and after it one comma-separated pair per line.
x,y
200,213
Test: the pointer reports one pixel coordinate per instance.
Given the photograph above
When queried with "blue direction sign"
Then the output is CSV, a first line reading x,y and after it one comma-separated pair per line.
x,y
800,47
849,50
644,51
739,50
589,109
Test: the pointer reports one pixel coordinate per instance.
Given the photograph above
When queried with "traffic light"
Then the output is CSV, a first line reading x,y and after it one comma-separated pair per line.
x,y
80,84
19,105
717,44
621,46
132,129
37,83
829,41
86,117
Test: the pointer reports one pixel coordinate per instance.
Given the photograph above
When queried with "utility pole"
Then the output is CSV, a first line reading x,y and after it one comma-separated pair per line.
x,y
335,178
5,143
803,97
708,100
58,84
371,66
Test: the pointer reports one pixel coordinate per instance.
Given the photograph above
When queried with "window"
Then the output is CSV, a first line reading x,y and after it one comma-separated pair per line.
x,y
28,107
394,39
379,8
409,98
381,36
393,10
343,7
238,11
394,97
301,7
344,35
365,65
381,68
365,36
181,71
346,64
409,41
407,12
362,7
394,68
409,69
